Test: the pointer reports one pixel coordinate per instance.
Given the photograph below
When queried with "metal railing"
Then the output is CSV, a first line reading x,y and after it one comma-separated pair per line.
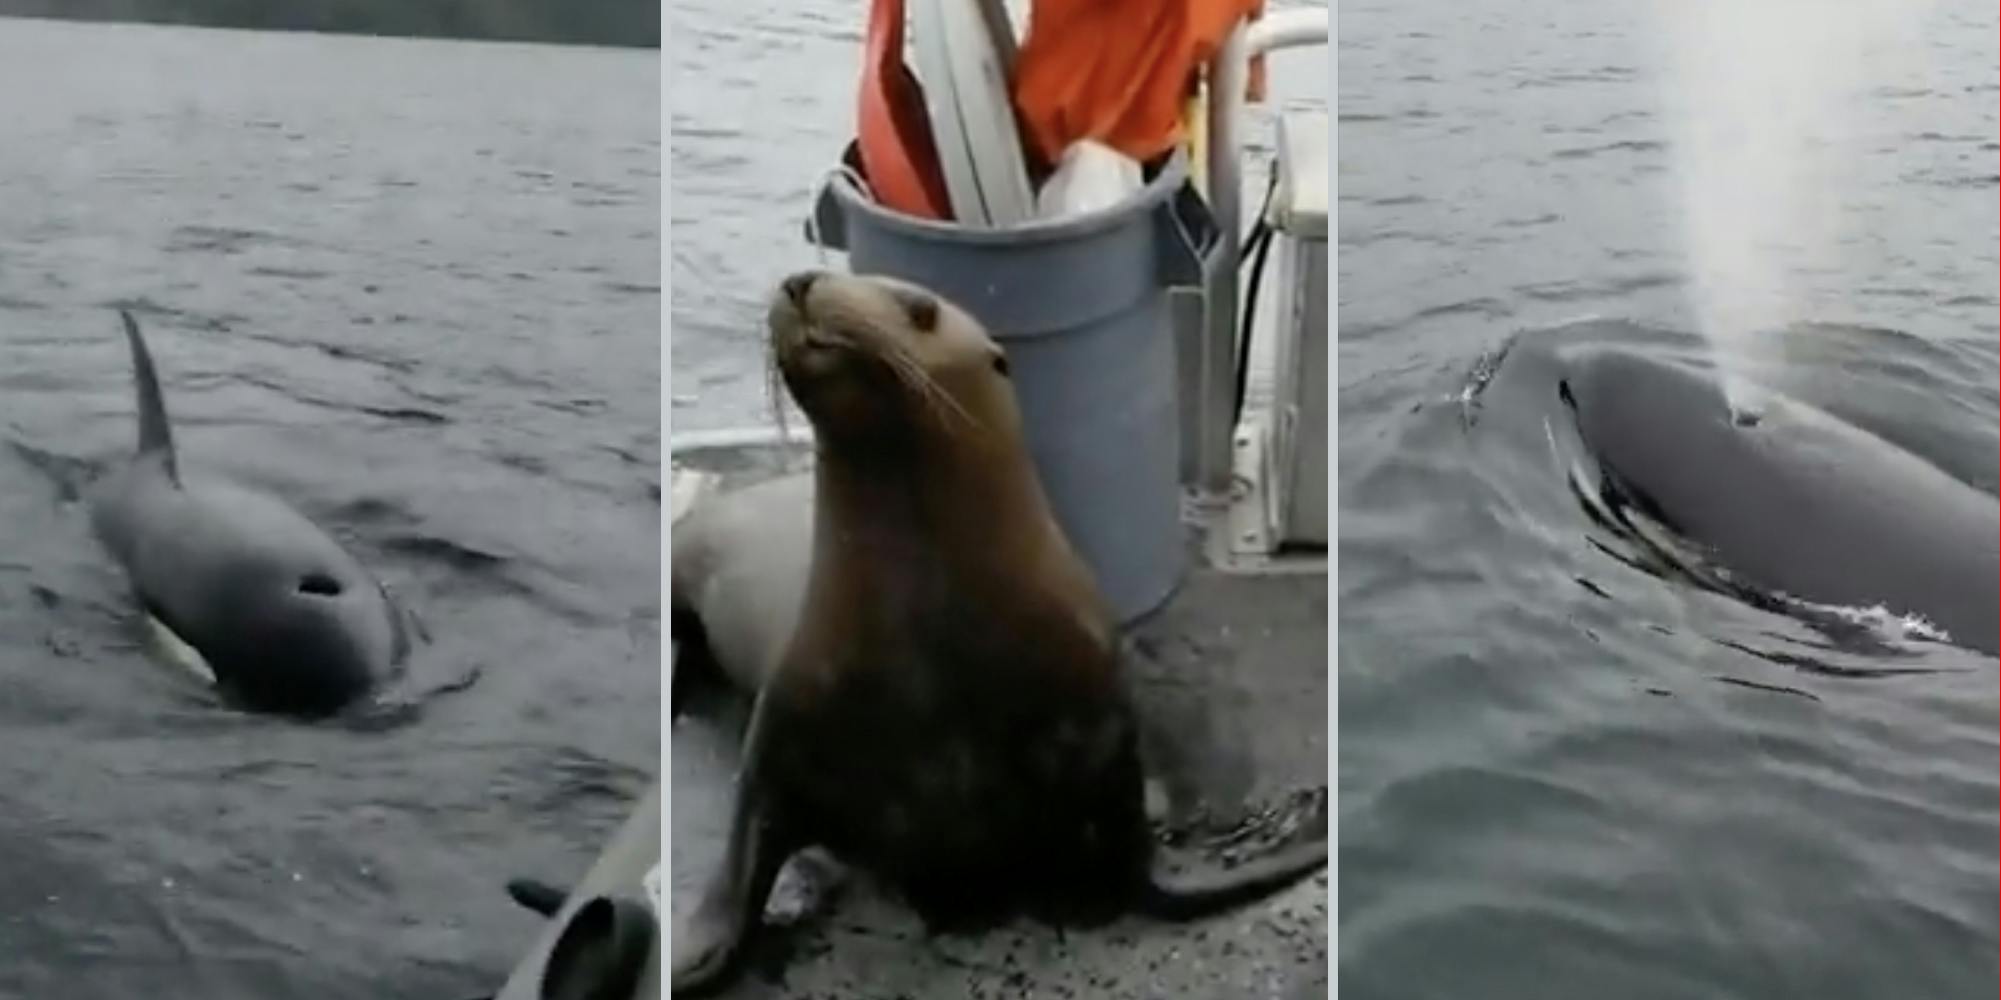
x,y
1228,73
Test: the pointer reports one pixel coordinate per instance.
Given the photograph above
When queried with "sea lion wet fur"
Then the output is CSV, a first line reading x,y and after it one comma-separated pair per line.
x,y
949,713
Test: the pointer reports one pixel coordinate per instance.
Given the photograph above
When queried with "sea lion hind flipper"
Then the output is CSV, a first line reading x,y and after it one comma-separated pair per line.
x,y
806,888
709,943
1188,895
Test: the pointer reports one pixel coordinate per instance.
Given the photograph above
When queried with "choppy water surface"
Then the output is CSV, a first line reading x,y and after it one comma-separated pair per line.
x,y
413,287
1561,776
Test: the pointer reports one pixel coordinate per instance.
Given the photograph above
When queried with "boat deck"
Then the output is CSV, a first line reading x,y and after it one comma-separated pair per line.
x,y
1231,677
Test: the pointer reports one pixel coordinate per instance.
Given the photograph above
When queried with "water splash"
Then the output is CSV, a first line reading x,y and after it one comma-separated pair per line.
x,y
1758,101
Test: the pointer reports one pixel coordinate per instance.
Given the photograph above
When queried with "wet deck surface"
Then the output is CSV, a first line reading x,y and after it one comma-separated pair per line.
x,y
1232,680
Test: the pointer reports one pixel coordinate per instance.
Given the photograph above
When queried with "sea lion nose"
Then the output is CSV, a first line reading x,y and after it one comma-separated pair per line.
x,y
798,285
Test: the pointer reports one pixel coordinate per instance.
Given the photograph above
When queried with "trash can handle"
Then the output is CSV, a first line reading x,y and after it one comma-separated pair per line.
x,y
825,226
1186,234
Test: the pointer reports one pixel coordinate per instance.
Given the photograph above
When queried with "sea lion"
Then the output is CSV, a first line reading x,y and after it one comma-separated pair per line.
x,y
949,714
1789,499
738,572
281,617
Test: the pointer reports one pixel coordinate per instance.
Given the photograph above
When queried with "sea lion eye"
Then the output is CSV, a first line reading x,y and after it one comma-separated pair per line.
x,y
923,311
1000,365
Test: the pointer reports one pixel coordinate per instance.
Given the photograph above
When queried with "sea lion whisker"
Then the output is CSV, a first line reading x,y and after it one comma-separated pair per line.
x,y
774,393
913,376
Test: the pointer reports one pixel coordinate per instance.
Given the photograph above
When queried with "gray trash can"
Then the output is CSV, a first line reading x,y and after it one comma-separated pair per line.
x,y
1080,304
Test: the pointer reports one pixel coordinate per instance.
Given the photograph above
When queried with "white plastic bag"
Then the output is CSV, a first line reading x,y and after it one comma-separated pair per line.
x,y
1090,176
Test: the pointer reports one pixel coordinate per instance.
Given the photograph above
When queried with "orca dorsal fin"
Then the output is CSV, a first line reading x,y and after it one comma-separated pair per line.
x,y
155,434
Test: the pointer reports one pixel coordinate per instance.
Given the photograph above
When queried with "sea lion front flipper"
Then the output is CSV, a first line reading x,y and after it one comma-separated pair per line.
x,y
1185,896
708,943
1173,895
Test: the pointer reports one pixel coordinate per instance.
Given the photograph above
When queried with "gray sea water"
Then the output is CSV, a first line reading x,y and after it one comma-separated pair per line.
x,y
1561,777
413,287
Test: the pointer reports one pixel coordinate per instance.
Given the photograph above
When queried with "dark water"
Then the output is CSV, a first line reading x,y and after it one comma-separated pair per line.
x,y
762,99
606,22
412,287
1563,777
